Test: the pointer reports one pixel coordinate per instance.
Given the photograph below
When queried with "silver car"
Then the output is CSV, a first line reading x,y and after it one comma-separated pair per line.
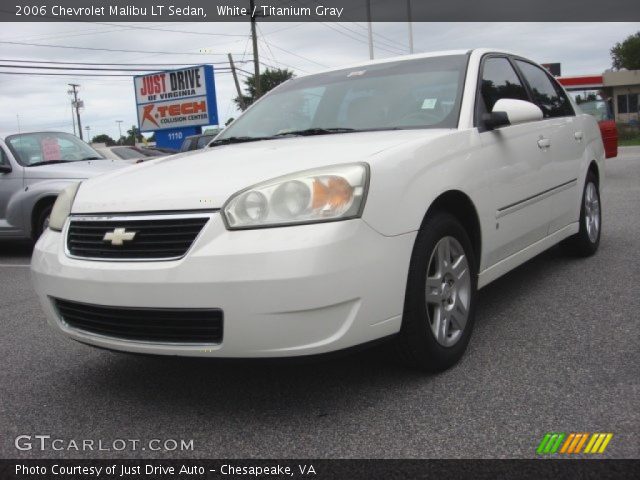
x,y
34,168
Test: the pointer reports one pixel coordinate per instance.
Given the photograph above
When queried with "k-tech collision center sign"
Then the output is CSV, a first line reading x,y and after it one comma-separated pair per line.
x,y
176,99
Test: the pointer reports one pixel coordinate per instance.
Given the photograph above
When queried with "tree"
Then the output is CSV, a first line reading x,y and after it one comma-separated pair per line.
x,y
627,54
133,136
269,79
104,138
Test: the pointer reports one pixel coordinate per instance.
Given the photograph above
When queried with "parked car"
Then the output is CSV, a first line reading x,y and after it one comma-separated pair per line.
x,y
161,150
34,169
342,208
600,109
196,142
127,153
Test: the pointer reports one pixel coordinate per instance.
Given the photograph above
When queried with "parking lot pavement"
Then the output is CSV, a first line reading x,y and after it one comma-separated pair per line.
x,y
556,348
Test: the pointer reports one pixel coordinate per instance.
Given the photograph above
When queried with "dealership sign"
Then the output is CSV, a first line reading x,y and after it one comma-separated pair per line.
x,y
176,98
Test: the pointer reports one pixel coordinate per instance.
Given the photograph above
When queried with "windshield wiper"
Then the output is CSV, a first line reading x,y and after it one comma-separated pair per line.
x,y
316,131
305,132
228,140
48,162
93,158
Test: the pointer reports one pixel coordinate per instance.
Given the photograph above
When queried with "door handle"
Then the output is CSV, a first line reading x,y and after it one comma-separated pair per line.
x,y
544,143
578,136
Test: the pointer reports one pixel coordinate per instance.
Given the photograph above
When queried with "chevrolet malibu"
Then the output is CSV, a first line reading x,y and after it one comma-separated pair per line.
x,y
342,208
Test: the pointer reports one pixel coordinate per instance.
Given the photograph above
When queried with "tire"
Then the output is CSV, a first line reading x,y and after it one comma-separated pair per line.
x,y
41,221
585,243
426,341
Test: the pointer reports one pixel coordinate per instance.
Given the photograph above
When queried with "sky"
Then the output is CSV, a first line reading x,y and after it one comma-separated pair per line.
x,y
30,102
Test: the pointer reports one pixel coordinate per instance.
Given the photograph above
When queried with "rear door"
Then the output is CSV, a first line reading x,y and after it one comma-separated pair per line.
x,y
566,141
518,163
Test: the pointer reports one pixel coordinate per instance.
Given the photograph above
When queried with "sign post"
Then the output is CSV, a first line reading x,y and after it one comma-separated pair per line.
x,y
176,103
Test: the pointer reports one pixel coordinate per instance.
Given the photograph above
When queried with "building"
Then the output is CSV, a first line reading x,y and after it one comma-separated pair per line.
x,y
620,88
624,87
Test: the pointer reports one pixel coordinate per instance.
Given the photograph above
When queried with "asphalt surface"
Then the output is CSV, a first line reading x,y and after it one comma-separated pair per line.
x,y
556,348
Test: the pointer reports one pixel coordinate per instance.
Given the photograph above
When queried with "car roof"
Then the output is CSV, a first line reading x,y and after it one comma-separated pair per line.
x,y
414,56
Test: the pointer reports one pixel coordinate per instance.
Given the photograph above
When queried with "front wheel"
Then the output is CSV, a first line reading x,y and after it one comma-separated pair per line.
x,y
586,241
441,295
41,222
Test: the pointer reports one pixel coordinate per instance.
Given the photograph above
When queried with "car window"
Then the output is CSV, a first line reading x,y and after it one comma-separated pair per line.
x,y
551,99
43,147
499,80
203,141
3,157
127,153
185,144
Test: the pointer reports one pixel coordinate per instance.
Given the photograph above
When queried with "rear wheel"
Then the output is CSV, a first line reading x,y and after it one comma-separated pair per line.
x,y
441,294
586,241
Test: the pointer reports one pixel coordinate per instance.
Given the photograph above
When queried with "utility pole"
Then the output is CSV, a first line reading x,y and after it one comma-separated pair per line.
x,y
410,26
235,79
256,62
73,116
119,122
76,104
370,29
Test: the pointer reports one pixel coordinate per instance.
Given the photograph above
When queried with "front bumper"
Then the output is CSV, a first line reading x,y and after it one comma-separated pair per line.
x,y
299,290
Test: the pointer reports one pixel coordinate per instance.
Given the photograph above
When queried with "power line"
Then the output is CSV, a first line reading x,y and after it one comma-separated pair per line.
x,y
97,69
109,49
172,31
110,64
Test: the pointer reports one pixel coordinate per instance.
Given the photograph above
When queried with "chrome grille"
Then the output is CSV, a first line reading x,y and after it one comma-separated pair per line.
x,y
161,237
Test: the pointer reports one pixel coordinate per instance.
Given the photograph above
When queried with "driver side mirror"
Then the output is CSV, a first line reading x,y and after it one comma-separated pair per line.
x,y
5,168
509,111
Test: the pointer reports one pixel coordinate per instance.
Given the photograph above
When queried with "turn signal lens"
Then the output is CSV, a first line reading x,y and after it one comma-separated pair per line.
x,y
331,194
320,195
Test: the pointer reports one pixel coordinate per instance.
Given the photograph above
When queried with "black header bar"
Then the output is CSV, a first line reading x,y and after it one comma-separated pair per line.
x,y
320,10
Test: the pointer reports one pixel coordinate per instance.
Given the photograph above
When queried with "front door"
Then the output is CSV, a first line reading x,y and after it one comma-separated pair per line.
x,y
520,166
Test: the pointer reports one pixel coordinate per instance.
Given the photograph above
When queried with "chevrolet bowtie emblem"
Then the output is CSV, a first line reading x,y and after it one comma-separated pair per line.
x,y
118,236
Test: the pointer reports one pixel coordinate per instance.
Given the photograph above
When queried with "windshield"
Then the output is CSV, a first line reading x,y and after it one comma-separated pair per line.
x,y
419,93
31,149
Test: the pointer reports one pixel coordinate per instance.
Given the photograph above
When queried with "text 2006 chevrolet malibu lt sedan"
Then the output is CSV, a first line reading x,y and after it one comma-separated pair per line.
x,y
343,207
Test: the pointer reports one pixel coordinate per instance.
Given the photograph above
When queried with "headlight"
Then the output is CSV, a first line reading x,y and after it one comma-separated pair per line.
x,y
62,207
319,195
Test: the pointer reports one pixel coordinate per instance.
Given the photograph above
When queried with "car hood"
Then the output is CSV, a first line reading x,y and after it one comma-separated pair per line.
x,y
73,170
205,179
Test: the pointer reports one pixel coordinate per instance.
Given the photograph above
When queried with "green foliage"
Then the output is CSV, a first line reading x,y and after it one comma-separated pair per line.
x,y
628,132
133,136
269,79
103,138
626,54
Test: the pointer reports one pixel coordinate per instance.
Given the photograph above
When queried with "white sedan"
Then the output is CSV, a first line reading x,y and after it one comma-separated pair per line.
x,y
342,208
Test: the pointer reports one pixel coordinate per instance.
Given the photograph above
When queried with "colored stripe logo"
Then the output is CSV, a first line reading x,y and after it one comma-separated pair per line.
x,y
573,443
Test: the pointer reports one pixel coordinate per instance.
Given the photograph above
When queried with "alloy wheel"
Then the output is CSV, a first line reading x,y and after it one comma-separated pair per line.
x,y
592,212
448,291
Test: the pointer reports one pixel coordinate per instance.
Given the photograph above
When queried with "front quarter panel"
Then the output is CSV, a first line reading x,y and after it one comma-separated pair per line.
x,y
406,180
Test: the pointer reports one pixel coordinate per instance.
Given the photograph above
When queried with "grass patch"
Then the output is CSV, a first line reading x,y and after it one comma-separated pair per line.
x,y
629,142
